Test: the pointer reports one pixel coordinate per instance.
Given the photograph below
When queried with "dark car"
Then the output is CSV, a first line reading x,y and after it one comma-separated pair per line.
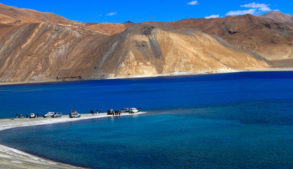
x,y
110,112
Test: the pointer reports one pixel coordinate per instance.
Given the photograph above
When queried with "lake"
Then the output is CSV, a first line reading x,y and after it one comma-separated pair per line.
x,y
237,120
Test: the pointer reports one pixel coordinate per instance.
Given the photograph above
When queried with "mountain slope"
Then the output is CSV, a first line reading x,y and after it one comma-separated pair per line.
x,y
41,52
270,39
146,49
278,16
28,16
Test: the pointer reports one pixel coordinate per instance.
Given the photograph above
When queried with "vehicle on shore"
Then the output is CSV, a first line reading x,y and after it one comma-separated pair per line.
x,y
74,114
57,115
133,110
49,114
114,112
125,110
117,113
111,112
32,116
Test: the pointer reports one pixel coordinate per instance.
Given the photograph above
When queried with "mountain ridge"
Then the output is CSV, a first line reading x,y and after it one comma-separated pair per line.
x,y
56,49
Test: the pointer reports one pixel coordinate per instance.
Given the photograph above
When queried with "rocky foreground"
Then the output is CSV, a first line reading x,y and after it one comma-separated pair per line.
x,y
37,46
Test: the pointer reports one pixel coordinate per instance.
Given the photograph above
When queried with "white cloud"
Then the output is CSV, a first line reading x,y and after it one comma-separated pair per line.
x,y
212,16
241,12
193,2
254,9
112,14
260,7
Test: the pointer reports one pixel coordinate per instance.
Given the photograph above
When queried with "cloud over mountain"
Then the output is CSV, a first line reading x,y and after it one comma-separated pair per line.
x,y
254,8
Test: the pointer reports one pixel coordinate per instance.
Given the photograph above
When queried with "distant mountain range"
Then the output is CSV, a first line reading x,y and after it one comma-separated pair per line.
x,y
36,46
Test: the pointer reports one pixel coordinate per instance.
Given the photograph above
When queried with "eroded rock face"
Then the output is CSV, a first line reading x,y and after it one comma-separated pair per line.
x,y
146,49
41,52
37,46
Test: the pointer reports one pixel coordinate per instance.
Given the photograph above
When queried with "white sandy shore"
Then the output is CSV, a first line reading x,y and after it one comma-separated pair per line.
x,y
174,74
14,159
13,123
208,72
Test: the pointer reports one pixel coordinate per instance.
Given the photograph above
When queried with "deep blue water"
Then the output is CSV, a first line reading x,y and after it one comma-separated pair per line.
x,y
149,94
240,120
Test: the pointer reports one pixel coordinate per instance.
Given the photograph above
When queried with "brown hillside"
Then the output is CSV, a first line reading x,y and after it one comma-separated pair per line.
x,y
278,16
28,15
265,37
146,49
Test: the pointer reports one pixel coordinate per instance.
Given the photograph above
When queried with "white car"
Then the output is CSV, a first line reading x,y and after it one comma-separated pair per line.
x,y
74,114
33,115
133,110
125,110
49,114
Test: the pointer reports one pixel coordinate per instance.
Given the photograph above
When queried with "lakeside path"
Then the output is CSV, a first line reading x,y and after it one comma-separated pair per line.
x,y
14,159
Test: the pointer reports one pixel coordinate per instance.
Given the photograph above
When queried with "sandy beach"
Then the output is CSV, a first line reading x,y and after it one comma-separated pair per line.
x,y
174,74
14,159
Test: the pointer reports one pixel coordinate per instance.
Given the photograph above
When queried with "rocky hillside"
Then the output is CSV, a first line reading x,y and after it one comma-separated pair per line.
x,y
146,49
278,16
37,46
12,15
261,35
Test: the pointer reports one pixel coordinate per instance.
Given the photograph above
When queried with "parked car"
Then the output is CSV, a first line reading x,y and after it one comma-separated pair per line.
x,y
117,112
56,115
125,110
133,110
49,114
33,115
74,114
110,112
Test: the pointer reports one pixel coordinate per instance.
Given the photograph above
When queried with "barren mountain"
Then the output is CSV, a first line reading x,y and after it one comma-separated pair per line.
x,y
265,37
146,49
36,46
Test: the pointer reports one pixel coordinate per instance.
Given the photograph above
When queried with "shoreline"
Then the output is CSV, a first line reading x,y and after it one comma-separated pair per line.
x,y
13,158
174,74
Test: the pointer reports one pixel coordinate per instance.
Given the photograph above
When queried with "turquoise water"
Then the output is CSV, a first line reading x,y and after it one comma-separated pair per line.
x,y
242,120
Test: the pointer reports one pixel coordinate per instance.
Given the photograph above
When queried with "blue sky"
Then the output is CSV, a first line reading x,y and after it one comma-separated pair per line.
x,y
119,11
